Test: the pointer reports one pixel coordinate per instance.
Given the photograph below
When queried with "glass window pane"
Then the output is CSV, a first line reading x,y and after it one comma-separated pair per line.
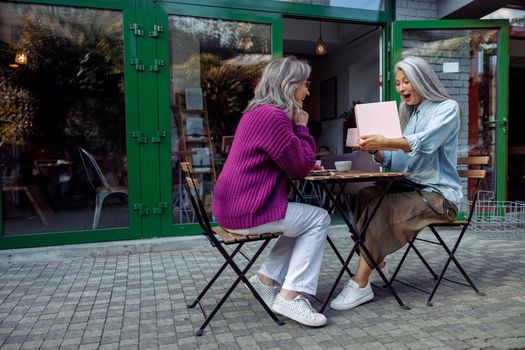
x,y
62,89
466,63
215,65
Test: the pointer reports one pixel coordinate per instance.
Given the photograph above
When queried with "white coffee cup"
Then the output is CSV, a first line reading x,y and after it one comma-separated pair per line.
x,y
344,165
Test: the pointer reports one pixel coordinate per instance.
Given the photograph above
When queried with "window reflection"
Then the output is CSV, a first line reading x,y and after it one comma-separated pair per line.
x,y
219,63
473,84
61,88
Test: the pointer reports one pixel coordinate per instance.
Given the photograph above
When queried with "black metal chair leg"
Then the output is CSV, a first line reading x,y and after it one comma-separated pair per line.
x,y
241,276
394,275
434,275
451,257
212,281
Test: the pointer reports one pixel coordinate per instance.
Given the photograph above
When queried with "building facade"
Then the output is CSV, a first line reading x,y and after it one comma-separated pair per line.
x,y
102,100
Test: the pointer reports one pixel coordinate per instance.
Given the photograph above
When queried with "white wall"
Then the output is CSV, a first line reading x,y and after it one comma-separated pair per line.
x,y
357,69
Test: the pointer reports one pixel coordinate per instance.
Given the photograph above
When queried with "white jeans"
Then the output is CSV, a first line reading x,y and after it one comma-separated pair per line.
x,y
295,260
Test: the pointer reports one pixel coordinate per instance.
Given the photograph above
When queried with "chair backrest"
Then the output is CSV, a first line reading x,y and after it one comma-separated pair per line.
x,y
192,187
91,167
478,162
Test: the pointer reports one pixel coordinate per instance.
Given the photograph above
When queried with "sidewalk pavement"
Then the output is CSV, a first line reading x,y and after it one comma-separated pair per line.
x,y
133,295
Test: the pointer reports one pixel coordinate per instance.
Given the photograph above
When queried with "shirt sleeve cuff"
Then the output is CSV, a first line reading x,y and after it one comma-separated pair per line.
x,y
414,144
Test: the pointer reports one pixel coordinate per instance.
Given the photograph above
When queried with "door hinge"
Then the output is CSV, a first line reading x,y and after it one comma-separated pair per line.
x,y
388,76
136,62
388,47
158,136
156,30
141,208
136,29
162,205
139,136
157,63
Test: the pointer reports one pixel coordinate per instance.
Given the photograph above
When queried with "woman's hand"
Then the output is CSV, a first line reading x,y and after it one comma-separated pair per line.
x,y
372,142
300,117
379,142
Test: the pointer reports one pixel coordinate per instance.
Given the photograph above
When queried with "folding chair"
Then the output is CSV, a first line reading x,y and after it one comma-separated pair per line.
x,y
219,238
479,174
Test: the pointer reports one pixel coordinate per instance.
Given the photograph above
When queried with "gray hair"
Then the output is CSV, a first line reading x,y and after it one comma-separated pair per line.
x,y
424,80
279,80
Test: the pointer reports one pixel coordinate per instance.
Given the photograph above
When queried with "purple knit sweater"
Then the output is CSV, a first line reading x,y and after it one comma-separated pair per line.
x,y
267,147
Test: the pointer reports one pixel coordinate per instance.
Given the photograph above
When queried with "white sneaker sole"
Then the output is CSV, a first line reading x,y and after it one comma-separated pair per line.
x,y
364,299
285,312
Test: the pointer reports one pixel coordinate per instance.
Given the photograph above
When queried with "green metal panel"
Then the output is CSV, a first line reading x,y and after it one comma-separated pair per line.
x,y
387,49
162,13
148,119
60,238
293,9
502,84
131,86
503,103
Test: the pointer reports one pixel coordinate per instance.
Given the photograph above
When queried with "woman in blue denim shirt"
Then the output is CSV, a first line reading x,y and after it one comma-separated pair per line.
x,y
428,151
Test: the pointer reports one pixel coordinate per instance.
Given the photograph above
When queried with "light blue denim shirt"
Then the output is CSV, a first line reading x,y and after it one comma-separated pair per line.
x,y
432,134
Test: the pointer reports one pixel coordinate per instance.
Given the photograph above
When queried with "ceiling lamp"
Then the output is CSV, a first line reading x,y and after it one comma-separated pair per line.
x,y
320,47
21,57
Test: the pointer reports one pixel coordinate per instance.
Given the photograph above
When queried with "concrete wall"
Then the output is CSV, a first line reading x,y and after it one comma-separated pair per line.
x,y
357,69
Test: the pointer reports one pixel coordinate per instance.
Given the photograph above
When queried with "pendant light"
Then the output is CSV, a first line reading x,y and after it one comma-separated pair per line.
x,y
21,57
320,47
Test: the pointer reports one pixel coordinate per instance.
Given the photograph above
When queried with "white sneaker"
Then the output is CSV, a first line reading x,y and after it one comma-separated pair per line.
x,y
352,296
374,276
299,310
267,293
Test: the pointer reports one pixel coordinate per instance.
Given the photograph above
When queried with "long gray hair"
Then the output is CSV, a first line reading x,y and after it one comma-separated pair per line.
x,y
279,80
424,80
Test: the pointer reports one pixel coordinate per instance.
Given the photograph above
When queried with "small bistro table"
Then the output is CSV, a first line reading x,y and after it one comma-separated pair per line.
x,y
329,182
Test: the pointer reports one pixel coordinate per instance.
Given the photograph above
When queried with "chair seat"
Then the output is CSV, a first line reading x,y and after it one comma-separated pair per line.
x,y
233,238
453,223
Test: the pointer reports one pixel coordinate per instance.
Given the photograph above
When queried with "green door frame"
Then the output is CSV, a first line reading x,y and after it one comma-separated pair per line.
x,y
163,11
132,123
502,87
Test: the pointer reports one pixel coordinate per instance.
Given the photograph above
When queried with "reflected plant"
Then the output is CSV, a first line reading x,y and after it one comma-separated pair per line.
x,y
16,108
228,89
74,55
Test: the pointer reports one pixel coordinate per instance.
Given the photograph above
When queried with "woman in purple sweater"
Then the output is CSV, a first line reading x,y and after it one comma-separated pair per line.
x,y
272,143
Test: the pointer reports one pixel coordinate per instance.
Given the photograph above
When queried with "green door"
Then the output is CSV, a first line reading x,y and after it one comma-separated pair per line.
x,y
70,164
471,59
213,58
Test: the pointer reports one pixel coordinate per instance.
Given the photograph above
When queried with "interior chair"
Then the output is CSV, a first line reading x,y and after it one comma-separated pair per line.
x,y
462,222
219,238
98,182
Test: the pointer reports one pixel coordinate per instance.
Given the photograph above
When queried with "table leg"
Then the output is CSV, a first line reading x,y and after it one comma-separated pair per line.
x,y
359,241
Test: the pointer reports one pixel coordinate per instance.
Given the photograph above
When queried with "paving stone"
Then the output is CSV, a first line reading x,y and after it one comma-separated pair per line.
x,y
138,301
